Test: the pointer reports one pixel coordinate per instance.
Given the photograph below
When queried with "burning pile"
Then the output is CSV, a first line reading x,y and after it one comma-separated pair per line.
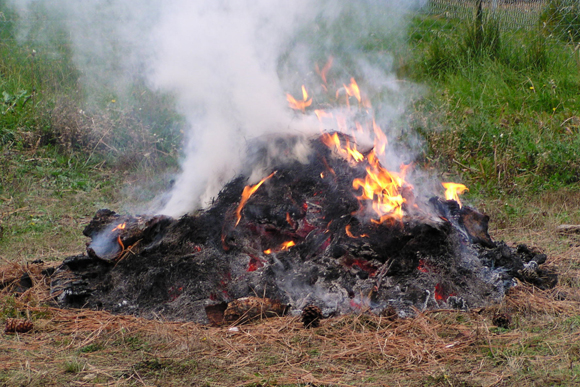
x,y
300,236
338,232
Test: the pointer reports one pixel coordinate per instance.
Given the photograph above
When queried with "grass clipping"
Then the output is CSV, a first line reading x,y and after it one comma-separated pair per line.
x,y
341,351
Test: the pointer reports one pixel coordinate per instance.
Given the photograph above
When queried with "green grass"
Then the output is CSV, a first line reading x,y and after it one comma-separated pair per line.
x,y
506,105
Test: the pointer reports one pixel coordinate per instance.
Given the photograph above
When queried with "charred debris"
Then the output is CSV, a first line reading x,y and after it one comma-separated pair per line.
x,y
302,239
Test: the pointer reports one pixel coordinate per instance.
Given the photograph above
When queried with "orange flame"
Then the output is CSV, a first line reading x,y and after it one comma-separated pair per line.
x,y
380,188
453,190
348,151
384,188
325,69
284,246
120,226
351,235
287,245
352,90
119,241
299,105
249,191
381,140
320,114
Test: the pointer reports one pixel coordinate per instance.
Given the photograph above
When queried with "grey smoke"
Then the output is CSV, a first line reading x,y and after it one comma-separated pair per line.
x,y
230,64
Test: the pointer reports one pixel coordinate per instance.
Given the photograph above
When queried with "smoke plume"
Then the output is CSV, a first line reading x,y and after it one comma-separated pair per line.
x,y
231,63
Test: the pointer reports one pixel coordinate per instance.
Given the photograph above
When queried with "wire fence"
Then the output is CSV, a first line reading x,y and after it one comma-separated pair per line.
x,y
557,17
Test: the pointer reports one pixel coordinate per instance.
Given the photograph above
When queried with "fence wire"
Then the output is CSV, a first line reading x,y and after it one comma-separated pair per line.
x,y
556,18
560,18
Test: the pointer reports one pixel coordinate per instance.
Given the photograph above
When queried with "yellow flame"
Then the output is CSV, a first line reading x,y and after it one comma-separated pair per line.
x,y
380,188
287,245
383,188
352,90
120,227
453,190
349,151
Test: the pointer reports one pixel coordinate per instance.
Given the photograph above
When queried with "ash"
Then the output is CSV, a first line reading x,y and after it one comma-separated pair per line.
x,y
302,239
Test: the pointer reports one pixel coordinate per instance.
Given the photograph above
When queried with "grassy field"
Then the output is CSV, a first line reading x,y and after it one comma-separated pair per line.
x,y
501,116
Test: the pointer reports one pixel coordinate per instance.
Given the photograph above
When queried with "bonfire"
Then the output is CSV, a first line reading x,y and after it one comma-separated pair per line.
x,y
338,233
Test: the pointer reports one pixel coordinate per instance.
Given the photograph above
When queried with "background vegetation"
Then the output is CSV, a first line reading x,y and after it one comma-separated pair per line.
x,y
500,115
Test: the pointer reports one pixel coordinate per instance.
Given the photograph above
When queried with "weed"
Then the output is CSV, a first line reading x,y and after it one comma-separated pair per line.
x,y
91,348
74,366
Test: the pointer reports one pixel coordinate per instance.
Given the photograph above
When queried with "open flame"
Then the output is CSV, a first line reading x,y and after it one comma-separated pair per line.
x,y
284,246
324,71
453,190
348,152
119,241
287,245
383,190
299,105
120,227
351,235
247,193
351,90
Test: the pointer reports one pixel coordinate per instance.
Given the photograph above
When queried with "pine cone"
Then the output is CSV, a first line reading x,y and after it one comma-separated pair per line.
x,y
311,316
18,325
502,320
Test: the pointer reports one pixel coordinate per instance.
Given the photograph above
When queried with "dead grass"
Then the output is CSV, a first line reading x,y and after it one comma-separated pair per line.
x,y
436,348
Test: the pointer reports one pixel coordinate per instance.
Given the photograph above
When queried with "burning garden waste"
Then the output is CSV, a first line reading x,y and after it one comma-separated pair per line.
x,y
339,232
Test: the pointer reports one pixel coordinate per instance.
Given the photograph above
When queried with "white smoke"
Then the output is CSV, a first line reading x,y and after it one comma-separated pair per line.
x,y
221,57
229,65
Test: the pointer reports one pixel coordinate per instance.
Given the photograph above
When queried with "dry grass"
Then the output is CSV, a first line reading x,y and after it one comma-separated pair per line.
x,y
436,348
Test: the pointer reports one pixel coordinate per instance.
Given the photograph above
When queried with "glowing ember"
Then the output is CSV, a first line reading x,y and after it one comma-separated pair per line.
x,y
422,266
247,193
299,105
439,295
255,263
362,264
453,190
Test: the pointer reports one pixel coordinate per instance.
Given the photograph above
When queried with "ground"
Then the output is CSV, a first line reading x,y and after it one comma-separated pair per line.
x,y
541,346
